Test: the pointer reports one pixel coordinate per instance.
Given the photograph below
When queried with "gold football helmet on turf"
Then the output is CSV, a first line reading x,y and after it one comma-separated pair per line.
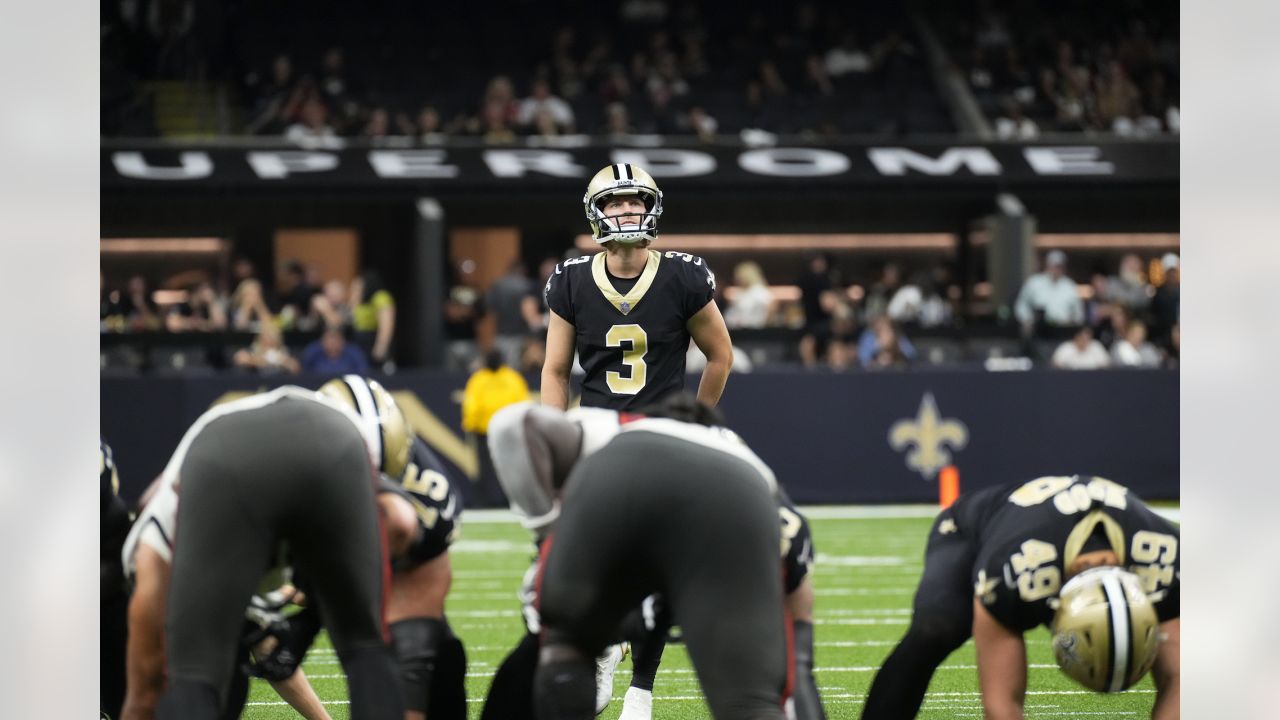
x,y
622,179
1106,632
384,426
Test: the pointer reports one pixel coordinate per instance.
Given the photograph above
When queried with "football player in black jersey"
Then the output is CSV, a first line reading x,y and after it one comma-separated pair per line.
x,y
422,513
630,311
1003,560
114,598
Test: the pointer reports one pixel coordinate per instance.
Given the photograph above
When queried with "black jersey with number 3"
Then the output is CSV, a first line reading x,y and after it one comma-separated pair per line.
x,y
631,344
1025,534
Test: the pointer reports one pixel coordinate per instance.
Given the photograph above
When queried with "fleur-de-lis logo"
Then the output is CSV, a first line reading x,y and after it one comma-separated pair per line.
x,y
930,433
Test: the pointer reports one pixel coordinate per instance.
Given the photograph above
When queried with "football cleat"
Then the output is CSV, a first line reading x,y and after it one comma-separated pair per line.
x,y
637,704
1106,632
622,179
606,664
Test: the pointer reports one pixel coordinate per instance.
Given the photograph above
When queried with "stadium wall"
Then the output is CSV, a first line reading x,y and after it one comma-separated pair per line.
x,y
831,438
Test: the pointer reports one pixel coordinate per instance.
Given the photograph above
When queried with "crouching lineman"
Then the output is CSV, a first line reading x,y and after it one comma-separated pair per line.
x,y
147,557
264,481
535,450
1079,554
422,512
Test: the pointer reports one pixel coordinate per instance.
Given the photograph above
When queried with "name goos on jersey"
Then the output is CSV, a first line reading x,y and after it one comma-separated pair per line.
x,y
631,344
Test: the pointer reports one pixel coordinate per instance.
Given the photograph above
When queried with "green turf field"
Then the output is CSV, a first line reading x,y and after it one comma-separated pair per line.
x,y
866,572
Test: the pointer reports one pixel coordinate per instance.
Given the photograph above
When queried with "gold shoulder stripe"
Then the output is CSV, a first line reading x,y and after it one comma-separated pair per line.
x,y
625,303
1083,529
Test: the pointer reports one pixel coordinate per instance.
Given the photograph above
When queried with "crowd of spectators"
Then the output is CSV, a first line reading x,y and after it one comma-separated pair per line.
x,y
353,323
546,70
1129,319
1070,66
895,318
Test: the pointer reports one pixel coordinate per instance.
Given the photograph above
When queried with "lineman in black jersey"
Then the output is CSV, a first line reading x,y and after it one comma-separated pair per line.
x,y
630,311
995,563
114,598
422,512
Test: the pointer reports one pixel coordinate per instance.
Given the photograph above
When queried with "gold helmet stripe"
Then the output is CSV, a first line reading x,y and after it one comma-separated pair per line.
x,y
367,407
1121,657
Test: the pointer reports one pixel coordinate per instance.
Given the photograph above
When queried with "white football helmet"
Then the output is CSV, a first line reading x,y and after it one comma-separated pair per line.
x,y
385,428
1106,632
622,179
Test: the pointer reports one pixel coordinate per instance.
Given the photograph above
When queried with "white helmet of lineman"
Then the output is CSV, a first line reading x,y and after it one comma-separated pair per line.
x,y
1106,632
384,426
622,179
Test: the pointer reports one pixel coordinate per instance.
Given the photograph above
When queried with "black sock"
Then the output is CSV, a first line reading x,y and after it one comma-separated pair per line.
x,y
808,702
511,693
646,654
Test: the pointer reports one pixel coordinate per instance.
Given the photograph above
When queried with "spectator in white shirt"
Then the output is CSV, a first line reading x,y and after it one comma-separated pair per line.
x,y
1133,350
920,301
1050,297
847,57
314,130
540,101
753,303
1081,352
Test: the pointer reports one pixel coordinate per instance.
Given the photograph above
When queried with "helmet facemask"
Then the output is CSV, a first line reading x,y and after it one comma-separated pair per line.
x,y
623,179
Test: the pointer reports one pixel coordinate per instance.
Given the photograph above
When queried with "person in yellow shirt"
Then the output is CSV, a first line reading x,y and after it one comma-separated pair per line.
x,y
489,389
373,316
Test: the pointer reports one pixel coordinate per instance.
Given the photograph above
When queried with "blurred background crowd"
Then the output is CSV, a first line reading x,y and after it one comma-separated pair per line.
x,y
647,73
322,72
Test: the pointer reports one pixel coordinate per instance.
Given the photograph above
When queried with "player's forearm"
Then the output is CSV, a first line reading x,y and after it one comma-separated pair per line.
x,y
555,388
138,707
144,688
144,652
714,377
301,696
1168,700
386,330
1006,710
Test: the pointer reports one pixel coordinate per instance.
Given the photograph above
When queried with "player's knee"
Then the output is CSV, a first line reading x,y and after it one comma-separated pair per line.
x,y
938,632
401,523
448,697
417,644
564,685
